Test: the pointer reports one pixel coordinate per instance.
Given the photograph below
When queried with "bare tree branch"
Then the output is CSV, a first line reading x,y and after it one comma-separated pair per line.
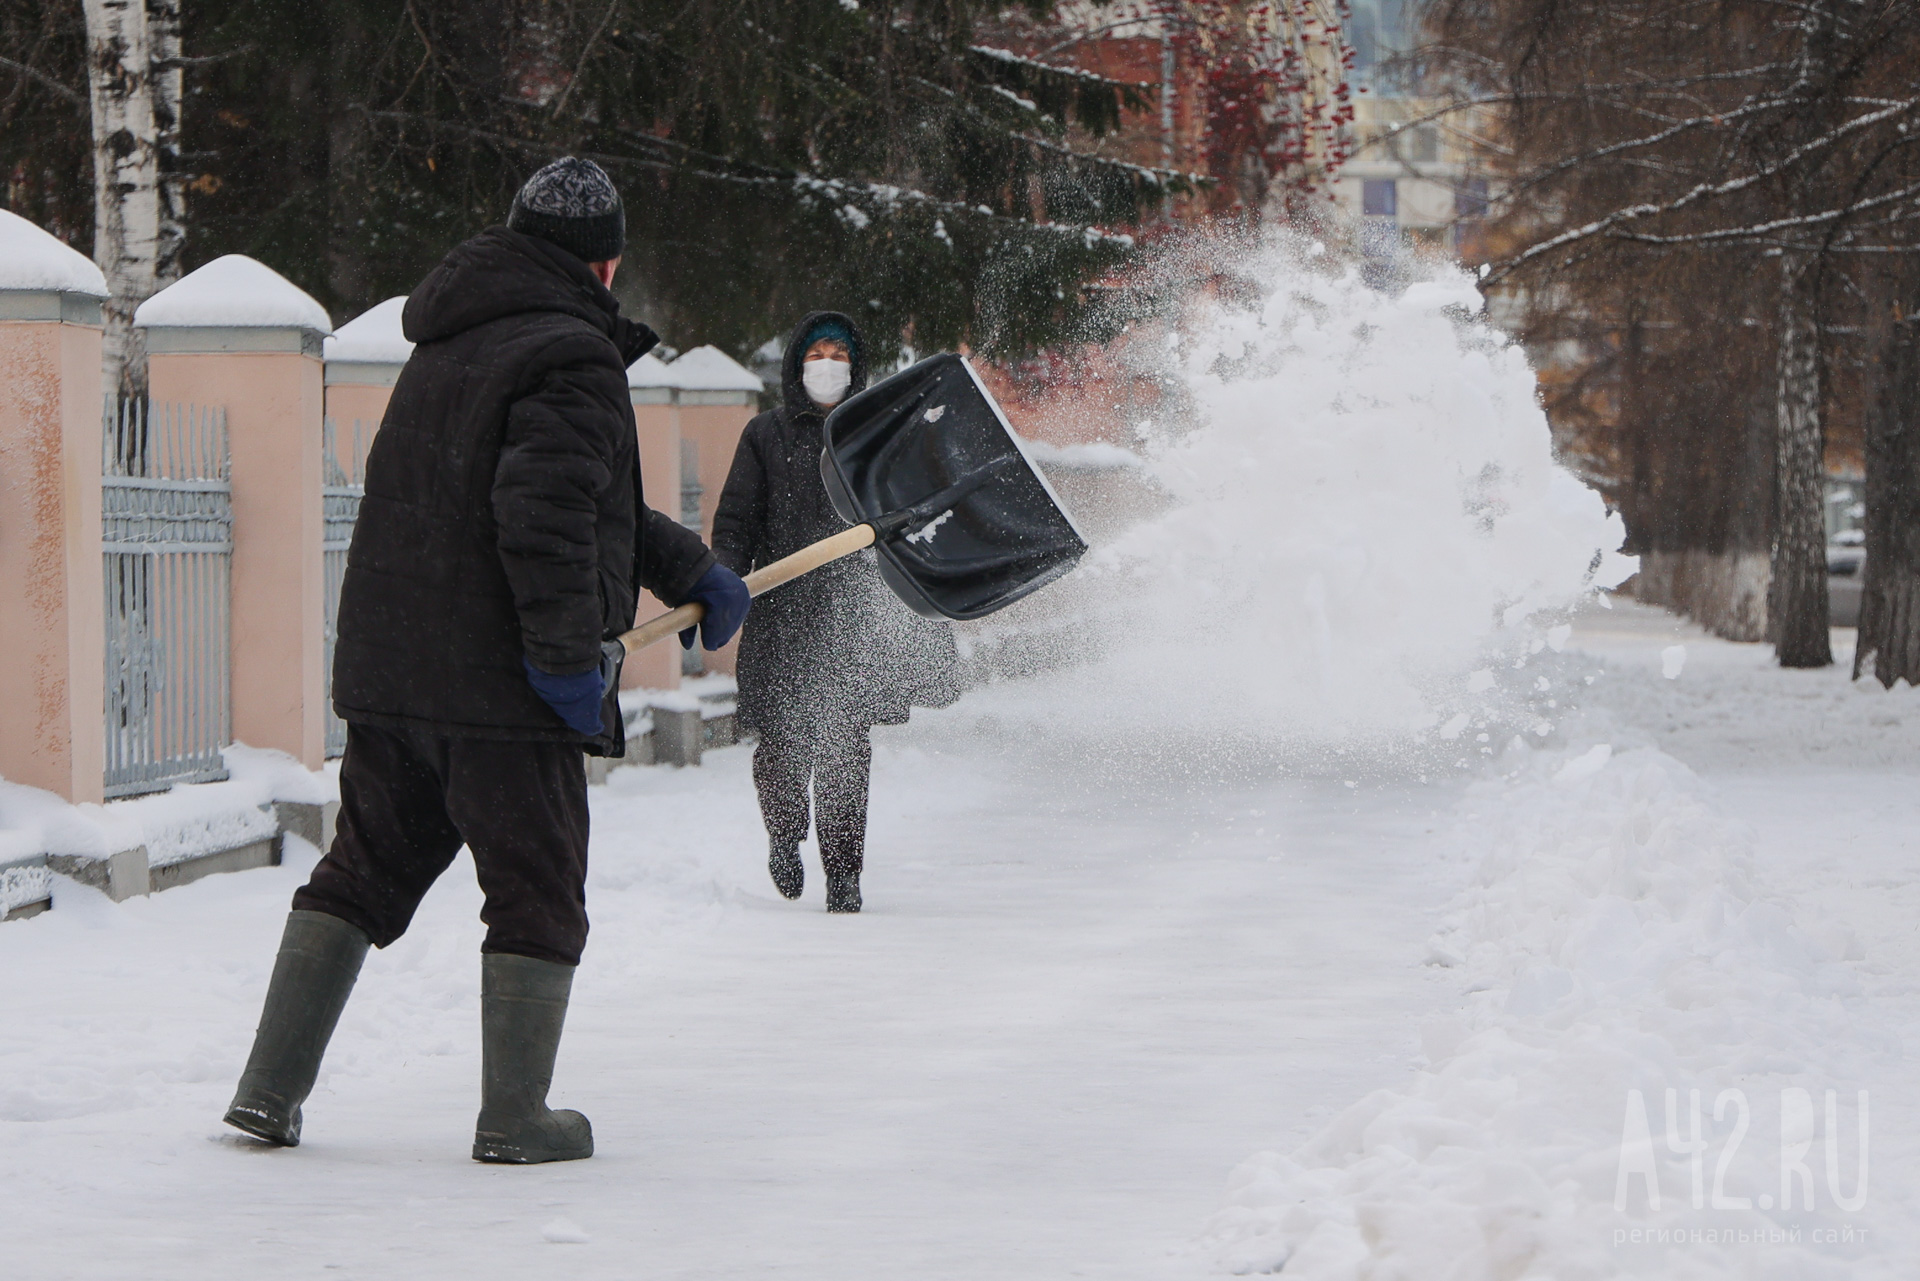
x,y
45,81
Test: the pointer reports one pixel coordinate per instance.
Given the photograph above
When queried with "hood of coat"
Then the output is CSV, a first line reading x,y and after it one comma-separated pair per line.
x,y
793,392
504,273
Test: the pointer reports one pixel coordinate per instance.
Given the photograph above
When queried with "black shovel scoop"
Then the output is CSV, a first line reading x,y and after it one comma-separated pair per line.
x,y
926,469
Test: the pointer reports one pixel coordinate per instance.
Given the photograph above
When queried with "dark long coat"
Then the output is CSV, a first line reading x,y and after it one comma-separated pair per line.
x,y
836,643
503,514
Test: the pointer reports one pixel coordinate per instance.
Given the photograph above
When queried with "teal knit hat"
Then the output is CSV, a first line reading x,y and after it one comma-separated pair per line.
x,y
834,329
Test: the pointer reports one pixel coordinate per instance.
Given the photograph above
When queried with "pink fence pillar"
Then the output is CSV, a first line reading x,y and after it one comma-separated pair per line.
x,y
237,334
364,358
658,428
52,625
716,396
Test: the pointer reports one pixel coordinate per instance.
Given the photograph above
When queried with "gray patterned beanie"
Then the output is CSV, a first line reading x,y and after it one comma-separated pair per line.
x,y
572,203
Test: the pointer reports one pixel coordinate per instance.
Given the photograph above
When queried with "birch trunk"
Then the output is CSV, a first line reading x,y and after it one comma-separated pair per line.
x,y
163,32
126,199
1797,595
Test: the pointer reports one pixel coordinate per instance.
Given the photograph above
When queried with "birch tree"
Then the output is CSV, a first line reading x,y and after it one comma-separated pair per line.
x,y
168,66
126,232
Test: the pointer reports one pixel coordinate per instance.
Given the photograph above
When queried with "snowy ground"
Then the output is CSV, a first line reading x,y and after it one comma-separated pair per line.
x,y
1707,886
1077,1002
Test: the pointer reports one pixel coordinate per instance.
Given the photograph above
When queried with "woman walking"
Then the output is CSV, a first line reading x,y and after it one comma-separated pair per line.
x,y
830,655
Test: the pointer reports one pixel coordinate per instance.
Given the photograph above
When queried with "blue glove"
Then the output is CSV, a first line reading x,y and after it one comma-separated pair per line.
x,y
726,598
576,698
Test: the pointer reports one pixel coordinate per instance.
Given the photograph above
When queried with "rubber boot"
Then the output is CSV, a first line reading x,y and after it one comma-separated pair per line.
x,y
789,873
843,891
319,960
523,1005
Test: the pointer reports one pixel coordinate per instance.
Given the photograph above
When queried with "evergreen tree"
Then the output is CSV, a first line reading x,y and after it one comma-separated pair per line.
x,y
775,155
46,147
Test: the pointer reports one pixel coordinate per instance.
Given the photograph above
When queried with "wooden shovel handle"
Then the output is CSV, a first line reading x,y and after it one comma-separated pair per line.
x,y
764,579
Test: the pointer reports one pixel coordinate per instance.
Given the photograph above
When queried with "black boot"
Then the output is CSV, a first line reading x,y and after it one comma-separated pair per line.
x,y
843,891
319,959
523,1005
789,873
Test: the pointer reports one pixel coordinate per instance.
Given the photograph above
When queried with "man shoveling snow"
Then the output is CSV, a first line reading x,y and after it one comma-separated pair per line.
x,y
500,547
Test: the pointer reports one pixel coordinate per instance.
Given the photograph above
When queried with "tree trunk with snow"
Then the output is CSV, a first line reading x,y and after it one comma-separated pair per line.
x,y
1890,597
169,83
126,220
1797,595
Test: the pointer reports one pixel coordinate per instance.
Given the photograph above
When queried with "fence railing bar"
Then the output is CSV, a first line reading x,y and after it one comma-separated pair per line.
x,y
190,486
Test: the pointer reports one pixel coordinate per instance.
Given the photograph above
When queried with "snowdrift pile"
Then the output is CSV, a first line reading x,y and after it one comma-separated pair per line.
x,y
1611,942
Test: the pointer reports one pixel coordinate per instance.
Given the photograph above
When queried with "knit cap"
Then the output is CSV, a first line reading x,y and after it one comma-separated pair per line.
x,y
573,204
828,328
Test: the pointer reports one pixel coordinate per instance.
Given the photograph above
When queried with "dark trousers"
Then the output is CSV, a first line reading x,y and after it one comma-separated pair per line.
x,y
835,758
409,801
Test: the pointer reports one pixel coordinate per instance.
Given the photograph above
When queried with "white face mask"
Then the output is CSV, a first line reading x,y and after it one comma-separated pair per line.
x,y
826,380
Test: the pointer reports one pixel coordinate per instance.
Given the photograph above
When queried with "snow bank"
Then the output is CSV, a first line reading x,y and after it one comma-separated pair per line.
x,y
34,821
1366,508
1612,941
373,337
189,821
234,290
32,259
186,822
180,823
279,776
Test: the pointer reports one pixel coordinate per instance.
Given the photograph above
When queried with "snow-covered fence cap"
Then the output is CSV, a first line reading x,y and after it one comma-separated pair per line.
x,y
233,304
650,381
369,349
43,279
708,376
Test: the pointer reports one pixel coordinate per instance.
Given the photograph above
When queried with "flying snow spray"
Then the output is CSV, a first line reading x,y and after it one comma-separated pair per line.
x,y
1363,529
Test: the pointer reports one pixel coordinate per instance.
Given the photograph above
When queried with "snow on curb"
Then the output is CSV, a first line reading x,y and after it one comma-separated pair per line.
x,y
20,886
183,823
34,823
195,820
1612,941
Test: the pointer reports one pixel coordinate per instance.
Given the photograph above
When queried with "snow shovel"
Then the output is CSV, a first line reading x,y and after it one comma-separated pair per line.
x,y
927,471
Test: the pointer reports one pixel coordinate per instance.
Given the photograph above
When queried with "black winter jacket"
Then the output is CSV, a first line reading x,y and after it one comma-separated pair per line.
x,y
835,643
503,515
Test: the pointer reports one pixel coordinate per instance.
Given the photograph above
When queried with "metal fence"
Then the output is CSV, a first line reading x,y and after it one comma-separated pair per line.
x,y
167,535
340,494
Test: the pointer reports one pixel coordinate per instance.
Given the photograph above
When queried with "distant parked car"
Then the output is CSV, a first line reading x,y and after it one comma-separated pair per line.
x,y
1846,572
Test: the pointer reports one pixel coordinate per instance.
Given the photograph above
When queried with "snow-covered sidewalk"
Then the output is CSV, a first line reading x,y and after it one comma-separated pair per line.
x,y
1084,993
1069,1010
1685,966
